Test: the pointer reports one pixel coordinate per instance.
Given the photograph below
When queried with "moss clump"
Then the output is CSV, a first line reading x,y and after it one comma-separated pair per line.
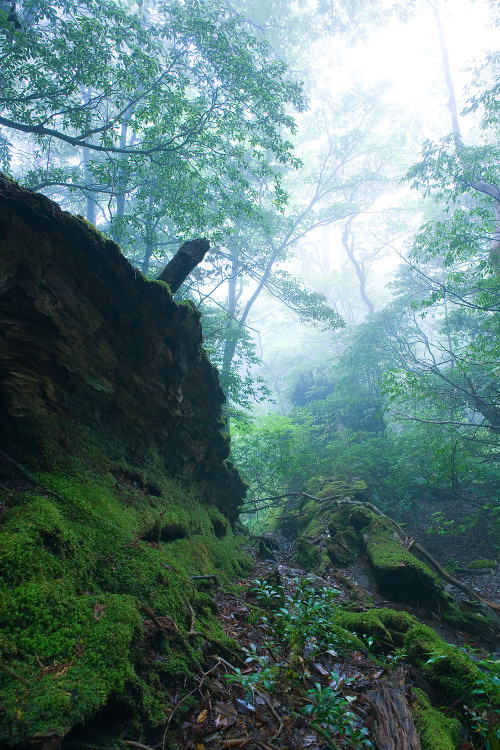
x,y
436,731
448,669
343,547
81,568
482,564
338,534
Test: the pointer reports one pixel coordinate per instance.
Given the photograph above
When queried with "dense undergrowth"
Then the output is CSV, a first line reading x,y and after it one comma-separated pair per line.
x,y
307,631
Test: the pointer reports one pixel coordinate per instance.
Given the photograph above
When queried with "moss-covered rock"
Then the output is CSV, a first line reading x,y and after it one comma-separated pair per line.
x,y
338,530
447,668
80,575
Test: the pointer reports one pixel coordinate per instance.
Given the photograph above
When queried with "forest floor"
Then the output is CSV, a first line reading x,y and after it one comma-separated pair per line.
x,y
232,710
458,534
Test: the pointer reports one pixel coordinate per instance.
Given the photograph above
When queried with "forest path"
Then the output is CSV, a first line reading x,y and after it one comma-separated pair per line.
x,y
259,700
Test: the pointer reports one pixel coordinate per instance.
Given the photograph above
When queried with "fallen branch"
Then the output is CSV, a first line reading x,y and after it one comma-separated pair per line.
x,y
190,610
458,584
206,578
167,624
198,687
14,674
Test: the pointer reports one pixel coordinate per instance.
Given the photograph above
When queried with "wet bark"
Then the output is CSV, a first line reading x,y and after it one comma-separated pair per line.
x,y
393,726
186,258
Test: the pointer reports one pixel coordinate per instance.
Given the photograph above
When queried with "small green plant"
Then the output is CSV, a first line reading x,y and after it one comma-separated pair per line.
x,y
481,706
483,713
304,620
263,590
331,715
254,680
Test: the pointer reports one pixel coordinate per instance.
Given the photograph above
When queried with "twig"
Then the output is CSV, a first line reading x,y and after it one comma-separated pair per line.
x,y
189,608
198,687
137,744
156,621
14,674
27,475
206,578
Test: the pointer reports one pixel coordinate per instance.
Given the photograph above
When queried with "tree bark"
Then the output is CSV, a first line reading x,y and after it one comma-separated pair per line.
x,y
186,258
477,184
393,726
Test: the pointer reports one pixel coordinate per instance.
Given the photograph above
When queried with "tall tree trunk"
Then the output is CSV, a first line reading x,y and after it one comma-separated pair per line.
x,y
91,203
149,238
121,183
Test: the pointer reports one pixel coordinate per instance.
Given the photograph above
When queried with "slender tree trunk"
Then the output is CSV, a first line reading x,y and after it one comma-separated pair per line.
x,y
91,203
149,239
348,243
452,101
121,182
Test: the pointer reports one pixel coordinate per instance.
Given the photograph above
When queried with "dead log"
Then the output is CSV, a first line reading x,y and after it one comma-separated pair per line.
x,y
490,609
186,258
393,725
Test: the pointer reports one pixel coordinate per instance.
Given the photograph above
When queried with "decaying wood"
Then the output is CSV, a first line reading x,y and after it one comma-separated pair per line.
x,y
491,609
393,726
186,258
164,622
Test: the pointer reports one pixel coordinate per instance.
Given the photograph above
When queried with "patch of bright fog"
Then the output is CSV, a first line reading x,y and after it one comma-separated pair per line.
x,y
405,60
407,56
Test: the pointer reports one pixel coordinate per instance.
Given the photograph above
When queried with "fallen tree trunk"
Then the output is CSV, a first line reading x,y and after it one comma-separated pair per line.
x,y
374,545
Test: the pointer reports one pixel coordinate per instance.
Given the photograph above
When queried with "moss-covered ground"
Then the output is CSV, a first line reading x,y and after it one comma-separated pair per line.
x,y
97,596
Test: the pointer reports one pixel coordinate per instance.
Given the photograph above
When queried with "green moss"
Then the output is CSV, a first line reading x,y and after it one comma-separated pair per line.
x,y
80,568
8,178
436,731
482,564
343,547
448,669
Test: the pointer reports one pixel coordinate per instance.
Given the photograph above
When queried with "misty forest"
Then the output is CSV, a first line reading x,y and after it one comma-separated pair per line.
x,y
249,374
